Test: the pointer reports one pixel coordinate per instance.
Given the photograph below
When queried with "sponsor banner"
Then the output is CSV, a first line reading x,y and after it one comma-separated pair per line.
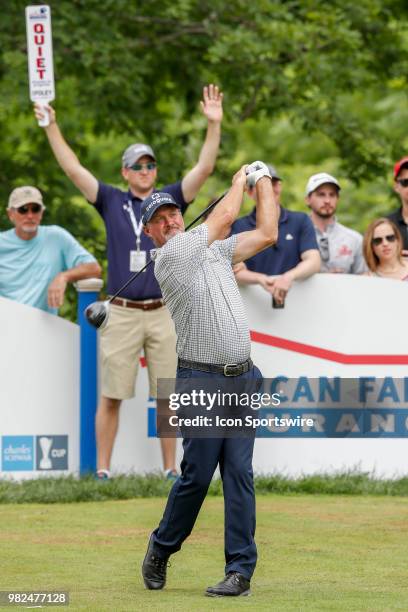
x,y
332,423
17,453
52,452
31,453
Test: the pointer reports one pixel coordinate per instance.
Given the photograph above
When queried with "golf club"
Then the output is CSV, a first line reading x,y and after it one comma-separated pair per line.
x,y
97,313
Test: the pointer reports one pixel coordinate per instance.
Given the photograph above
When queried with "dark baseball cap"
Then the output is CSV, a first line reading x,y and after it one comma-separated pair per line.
x,y
153,202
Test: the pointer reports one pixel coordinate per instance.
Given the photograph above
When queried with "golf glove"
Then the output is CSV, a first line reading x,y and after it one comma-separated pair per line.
x,y
255,171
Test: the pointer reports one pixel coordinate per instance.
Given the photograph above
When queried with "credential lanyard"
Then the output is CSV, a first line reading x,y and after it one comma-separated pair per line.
x,y
137,227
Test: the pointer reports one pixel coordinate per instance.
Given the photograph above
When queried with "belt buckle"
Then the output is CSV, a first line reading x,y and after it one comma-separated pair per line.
x,y
231,365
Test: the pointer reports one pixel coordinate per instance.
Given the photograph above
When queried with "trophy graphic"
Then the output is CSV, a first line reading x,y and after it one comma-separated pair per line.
x,y
45,445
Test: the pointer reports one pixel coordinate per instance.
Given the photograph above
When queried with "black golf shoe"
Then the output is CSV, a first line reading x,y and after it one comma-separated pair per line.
x,y
154,568
233,585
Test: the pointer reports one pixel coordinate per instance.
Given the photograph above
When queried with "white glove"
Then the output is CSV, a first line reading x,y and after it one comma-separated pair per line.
x,y
255,171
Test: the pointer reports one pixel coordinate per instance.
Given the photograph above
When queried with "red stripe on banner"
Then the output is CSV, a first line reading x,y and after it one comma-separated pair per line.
x,y
143,362
315,351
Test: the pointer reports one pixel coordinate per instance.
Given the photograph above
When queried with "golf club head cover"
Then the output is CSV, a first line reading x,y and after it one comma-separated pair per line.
x,y
255,171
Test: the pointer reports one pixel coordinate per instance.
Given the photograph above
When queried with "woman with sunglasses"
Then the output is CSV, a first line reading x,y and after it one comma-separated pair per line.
x,y
382,248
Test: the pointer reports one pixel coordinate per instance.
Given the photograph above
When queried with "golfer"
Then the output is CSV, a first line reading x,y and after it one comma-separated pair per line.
x,y
194,270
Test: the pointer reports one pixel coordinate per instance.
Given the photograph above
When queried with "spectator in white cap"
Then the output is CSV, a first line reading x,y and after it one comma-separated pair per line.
x,y
139,320
340,247
37,261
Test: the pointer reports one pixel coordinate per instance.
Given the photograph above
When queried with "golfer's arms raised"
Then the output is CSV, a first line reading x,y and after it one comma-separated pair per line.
x,y
224,214
266,232
66,158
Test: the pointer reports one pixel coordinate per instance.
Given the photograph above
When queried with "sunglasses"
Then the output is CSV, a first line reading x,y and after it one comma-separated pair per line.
x,y
138,167
403,182
35,208
379,240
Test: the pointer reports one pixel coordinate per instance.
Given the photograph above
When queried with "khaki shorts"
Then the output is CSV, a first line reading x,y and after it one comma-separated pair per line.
x,y
128,331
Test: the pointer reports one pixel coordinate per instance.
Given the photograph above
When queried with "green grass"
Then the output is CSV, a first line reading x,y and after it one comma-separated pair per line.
x,y
71,489
320,552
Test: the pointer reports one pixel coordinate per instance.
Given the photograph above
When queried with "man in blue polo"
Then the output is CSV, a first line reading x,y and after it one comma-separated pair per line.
x,y
294,257
138,318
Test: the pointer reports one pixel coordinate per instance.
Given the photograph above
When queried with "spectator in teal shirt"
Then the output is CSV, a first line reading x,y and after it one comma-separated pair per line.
x,y
37,262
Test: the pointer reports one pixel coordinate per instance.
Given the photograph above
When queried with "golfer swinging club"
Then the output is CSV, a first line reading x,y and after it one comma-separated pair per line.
x,y
194,270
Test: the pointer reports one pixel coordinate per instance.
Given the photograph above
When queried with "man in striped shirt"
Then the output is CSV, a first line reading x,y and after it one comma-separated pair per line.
x,y
194,270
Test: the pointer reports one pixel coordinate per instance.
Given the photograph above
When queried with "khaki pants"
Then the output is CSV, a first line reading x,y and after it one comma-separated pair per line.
x,y
128,331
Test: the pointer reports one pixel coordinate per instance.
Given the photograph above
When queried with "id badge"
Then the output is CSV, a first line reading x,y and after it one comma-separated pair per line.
x,y
137,260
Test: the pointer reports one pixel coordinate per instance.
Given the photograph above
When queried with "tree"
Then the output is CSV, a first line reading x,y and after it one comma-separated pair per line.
x,y
133,71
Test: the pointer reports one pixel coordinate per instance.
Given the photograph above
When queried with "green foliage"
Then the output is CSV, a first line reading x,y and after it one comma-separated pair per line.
x,y
309,85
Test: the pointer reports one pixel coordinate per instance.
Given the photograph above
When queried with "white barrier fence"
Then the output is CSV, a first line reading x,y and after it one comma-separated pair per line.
x,y
331,326
39,392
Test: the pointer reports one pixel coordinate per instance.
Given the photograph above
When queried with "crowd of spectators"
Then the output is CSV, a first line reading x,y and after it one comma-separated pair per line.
x,y
320,243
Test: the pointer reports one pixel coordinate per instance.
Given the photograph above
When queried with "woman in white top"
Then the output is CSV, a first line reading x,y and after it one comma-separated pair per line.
x,y
382,248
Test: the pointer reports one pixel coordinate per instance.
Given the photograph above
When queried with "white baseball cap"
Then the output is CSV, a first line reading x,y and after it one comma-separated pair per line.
x,y
320,179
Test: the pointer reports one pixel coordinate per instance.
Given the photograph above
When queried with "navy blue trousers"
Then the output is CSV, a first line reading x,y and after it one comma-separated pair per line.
x,y
200,460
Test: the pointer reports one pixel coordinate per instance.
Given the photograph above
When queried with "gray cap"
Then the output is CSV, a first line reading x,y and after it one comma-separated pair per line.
x,y
134,152
25,195
273,172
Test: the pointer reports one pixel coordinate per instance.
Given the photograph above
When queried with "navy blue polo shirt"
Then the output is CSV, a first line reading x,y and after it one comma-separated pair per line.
x,y
296,235
111,203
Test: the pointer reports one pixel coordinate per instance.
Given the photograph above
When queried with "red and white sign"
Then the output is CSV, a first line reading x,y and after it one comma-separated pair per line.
x,y
40,58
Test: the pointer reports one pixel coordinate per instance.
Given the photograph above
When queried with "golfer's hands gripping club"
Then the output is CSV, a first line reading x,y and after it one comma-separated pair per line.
x,y
256,171
240,177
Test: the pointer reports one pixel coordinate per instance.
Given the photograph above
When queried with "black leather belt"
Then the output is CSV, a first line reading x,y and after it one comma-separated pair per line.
x,y
229,369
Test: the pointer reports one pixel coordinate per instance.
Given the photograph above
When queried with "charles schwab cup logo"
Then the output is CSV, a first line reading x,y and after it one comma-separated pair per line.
x,y
52,452
17,453
45,446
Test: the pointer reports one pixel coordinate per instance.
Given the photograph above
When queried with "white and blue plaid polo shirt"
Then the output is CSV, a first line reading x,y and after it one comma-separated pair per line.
x,y
200,290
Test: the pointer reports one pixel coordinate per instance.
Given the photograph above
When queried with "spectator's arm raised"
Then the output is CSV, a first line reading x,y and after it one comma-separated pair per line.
x,y
66,158
211,107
